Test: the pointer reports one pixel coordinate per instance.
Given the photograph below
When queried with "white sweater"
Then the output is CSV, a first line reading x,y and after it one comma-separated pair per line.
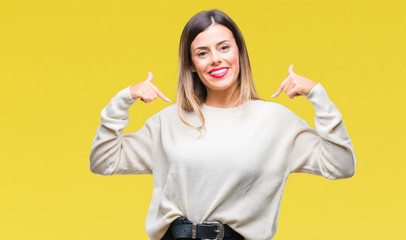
x,y
235,172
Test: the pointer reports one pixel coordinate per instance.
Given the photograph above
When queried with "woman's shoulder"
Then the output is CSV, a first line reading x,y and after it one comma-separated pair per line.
x,y
165,113
268,106
269,109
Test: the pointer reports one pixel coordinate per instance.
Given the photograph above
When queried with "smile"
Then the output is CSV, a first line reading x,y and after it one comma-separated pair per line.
x,y
218,73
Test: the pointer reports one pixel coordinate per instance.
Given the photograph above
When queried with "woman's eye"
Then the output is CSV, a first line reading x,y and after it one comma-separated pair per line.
x,y
225,48
201,54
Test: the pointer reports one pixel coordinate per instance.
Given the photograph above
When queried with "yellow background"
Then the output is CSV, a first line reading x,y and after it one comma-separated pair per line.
x,y
62,61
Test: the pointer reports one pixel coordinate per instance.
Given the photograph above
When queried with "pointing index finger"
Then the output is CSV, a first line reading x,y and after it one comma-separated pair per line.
x,y
280,89
277,92
160,94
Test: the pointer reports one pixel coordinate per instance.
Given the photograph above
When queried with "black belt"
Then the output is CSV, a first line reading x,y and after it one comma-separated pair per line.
x,y
183,228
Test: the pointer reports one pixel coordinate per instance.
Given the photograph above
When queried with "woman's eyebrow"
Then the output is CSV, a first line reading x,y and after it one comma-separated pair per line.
x,y
219,43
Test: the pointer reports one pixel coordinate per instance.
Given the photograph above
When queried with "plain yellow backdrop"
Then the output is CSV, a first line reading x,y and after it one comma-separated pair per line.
x,y
62,61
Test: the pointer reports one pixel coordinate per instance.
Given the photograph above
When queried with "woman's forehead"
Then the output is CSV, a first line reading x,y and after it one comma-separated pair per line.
x,y
212,36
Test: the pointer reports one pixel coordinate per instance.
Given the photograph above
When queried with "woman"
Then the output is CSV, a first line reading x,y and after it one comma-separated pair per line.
x,y
220,155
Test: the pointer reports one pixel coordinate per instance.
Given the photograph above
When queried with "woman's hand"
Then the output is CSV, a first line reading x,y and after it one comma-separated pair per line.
x,y
295,85
146,91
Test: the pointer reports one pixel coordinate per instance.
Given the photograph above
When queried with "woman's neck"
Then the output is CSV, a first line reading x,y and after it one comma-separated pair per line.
x,y
222,99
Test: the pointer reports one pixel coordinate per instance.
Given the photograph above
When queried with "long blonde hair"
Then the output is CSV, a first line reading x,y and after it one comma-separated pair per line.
x,y
191,91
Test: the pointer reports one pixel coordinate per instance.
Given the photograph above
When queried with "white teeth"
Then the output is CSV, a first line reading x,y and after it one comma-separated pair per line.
x,y
218,71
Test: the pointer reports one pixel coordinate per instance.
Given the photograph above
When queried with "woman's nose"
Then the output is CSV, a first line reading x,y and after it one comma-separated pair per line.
x,y
215,58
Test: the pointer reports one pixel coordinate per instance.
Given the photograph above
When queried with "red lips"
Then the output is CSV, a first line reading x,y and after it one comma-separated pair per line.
x,y
218,74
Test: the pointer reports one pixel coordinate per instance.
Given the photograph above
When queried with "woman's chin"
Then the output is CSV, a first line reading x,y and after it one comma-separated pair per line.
x,y
221,86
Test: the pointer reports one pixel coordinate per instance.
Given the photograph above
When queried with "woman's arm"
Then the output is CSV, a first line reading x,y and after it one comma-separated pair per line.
x,y
326,150
116,153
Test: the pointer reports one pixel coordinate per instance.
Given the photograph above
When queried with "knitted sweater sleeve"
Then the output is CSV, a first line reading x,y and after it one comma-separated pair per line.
x,y
326,150
116,153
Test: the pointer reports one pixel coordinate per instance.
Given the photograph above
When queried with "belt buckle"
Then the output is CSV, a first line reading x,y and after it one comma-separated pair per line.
x,y
219,231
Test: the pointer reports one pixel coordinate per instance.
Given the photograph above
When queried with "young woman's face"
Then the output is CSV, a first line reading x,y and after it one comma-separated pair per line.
x,y
215,58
